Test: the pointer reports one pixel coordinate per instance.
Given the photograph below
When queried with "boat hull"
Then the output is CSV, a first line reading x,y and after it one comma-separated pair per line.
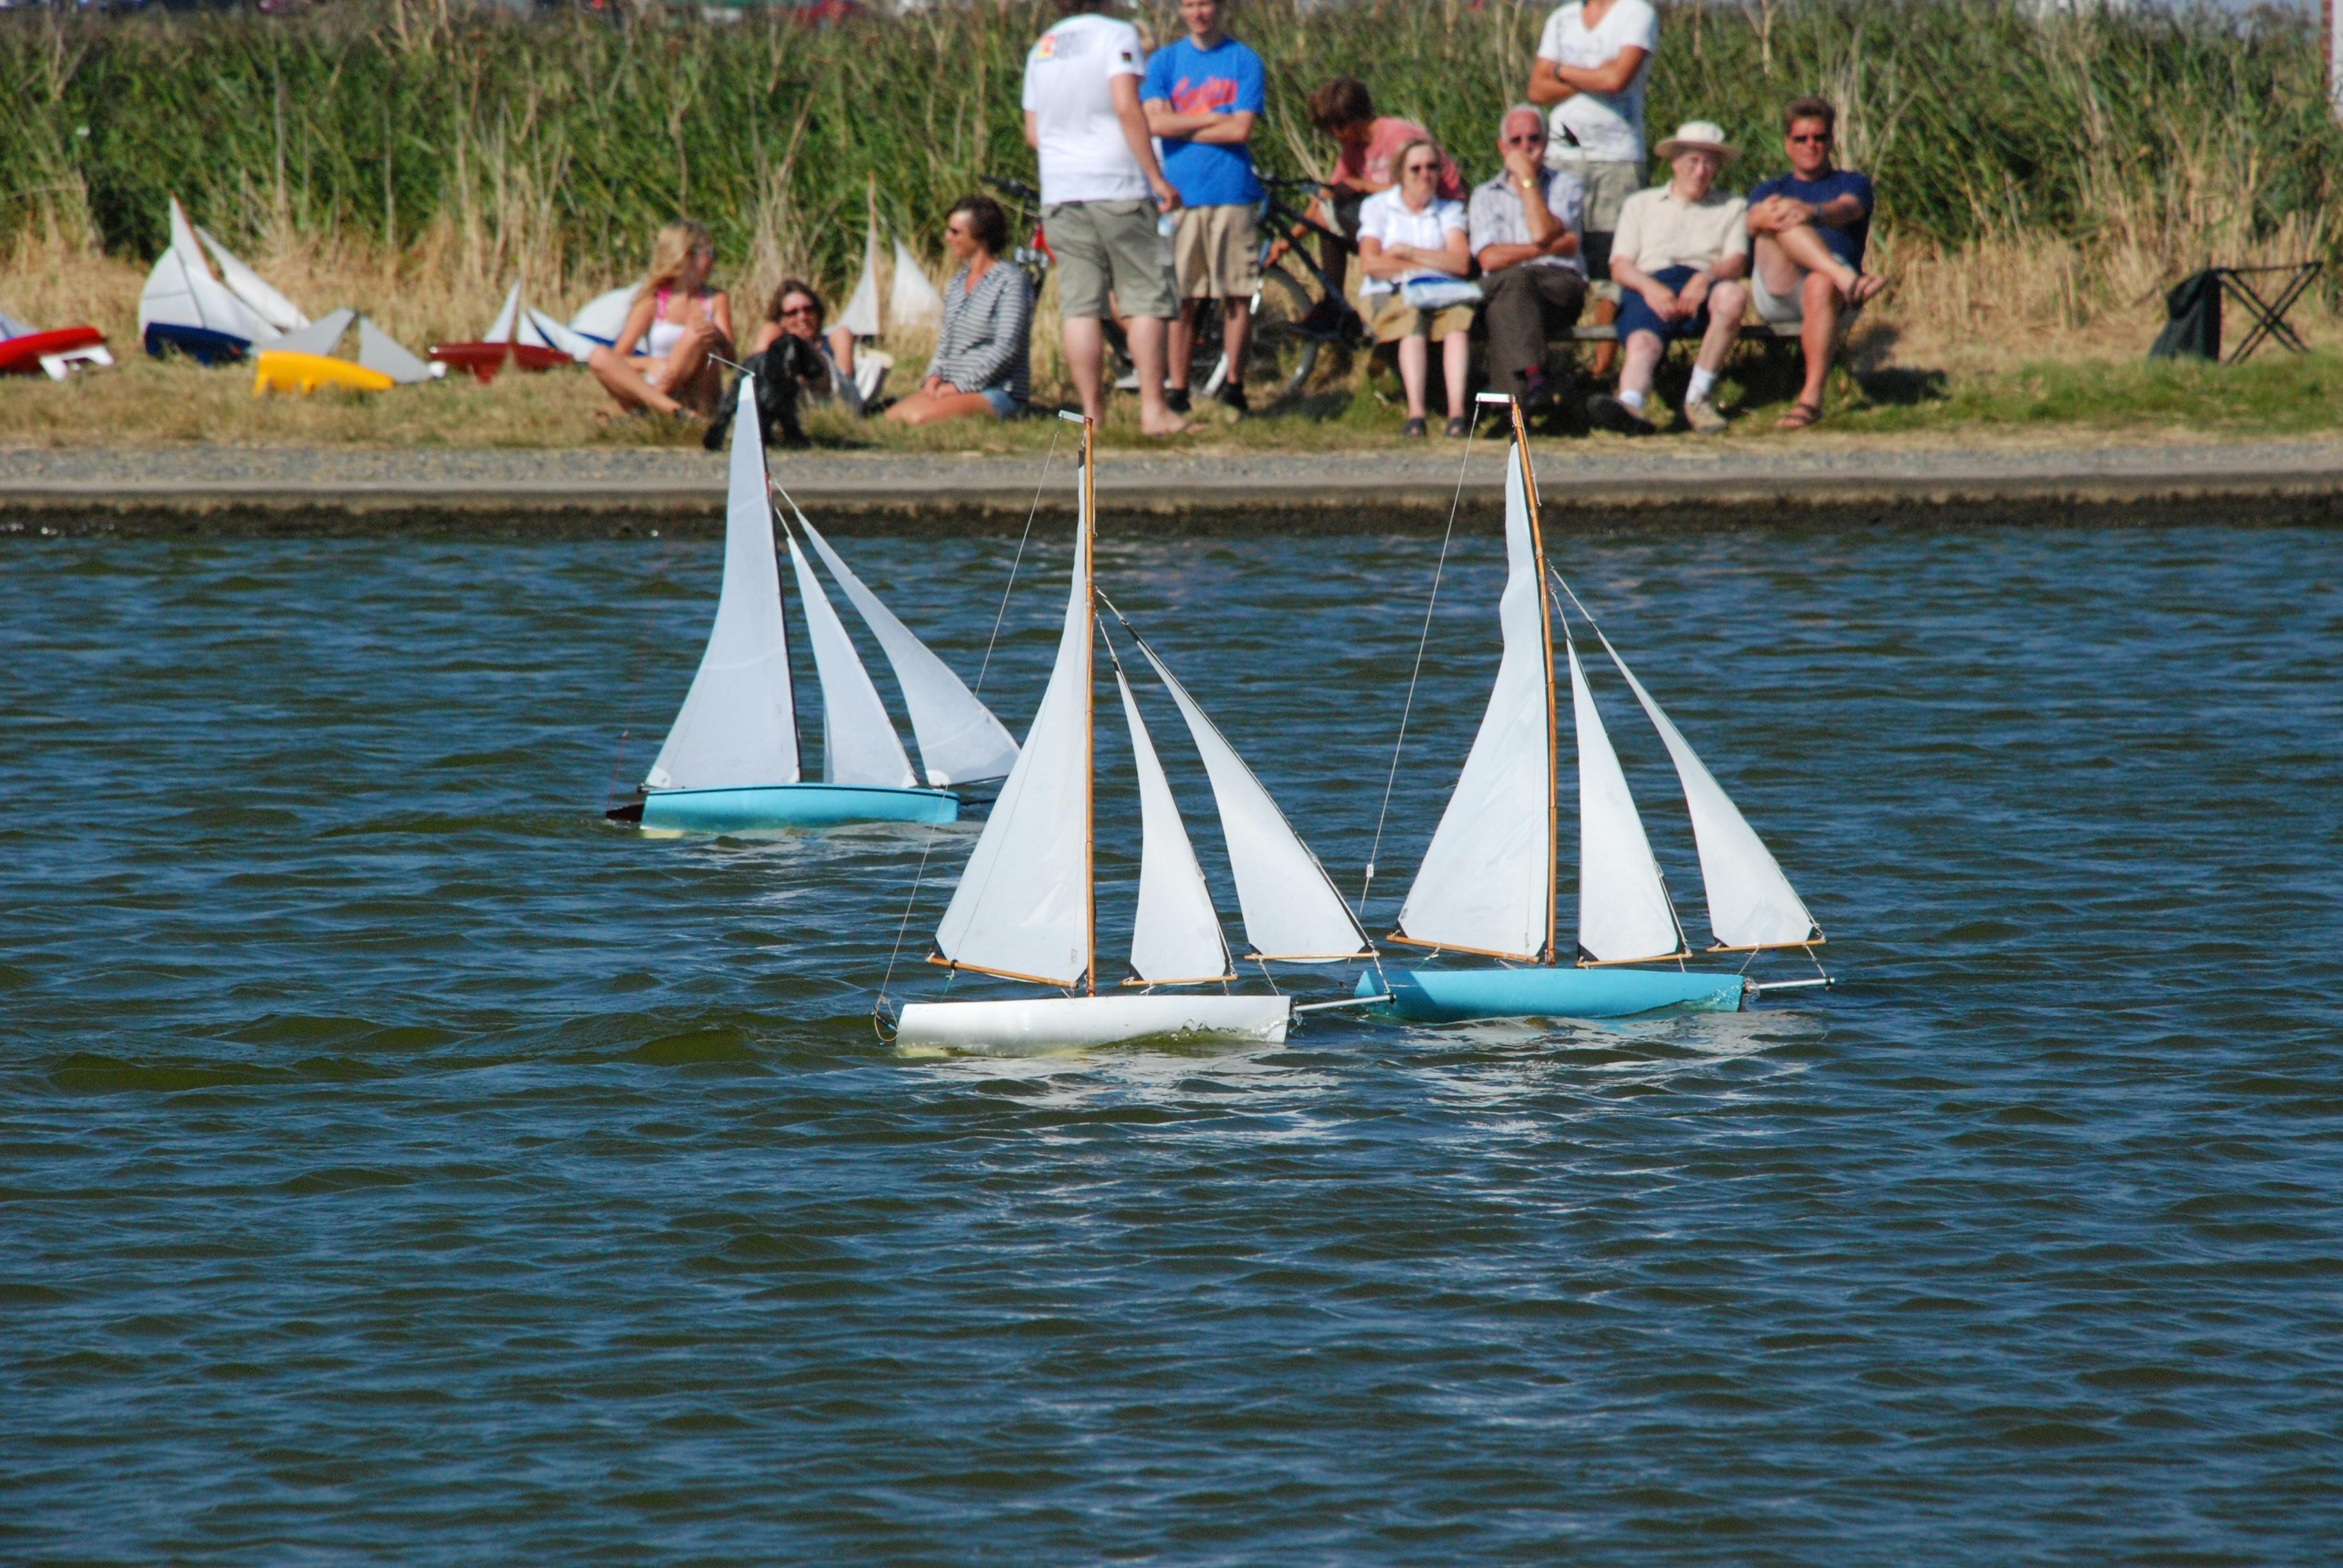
x,y
1457,995
1072,1023
23,356
775,806
283,370
480,360
200,344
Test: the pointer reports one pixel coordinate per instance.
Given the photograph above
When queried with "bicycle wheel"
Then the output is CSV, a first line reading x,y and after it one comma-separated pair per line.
x,y
1283,353
1205,372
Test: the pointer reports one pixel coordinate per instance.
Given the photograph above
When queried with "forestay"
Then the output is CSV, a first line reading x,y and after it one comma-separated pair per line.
x,y
1751,903
959,737
1023,908
1486,883
1177,936
1290,908
859,744
1622,906
739,724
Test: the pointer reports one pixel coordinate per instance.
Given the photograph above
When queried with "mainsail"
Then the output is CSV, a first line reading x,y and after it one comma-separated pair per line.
x,y
1486,884
739,724
1292,910
501,331
182,292
913,300
859,744
959,737
1751,903
860,316
1623,906
1176,937
1023,906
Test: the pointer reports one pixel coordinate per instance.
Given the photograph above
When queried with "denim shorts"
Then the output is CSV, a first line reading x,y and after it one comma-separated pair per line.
x,y
1635,315
1004,400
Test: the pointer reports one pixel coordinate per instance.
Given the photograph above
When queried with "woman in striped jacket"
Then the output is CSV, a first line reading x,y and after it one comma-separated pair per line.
x,y
983,363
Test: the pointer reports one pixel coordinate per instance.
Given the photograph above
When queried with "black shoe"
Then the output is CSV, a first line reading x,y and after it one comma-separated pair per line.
x,y
1176,398
1232,398
712,439
1537,396
1607,413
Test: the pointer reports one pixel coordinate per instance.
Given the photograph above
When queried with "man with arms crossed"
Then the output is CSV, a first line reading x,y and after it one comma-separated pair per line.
x,y
1809,228
1098,175
1592,62
1202,95
1680,253
1524,234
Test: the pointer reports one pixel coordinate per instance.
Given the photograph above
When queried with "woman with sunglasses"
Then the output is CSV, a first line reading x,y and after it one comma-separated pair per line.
x,y
822,363
1411,235
684,326
982,367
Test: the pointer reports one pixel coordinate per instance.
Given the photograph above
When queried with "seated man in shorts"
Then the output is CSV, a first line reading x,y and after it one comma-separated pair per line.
x,y
1808,229
1680,253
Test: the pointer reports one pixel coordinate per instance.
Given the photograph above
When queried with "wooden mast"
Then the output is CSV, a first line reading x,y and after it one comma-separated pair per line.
x,y
1090,702
1552,713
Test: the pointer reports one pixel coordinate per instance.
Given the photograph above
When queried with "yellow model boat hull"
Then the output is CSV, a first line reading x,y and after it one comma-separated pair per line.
x,y
280,370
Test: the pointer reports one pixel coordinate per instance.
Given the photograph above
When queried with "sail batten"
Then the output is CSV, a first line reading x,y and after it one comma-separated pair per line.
x,y
959,737
1175,939
1486,883
859,741
738,724
1623,906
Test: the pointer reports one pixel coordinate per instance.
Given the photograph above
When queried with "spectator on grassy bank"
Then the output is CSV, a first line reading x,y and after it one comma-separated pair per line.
x,y
1413,241
684,325
982,367
1099,172
1524,232
1808,230
1365,164
1592,62
1680,253
794,364
1202,96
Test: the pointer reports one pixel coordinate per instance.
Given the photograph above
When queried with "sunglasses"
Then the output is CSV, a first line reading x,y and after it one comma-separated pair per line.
x,y
1422,169
789,310
1528,140
1810,136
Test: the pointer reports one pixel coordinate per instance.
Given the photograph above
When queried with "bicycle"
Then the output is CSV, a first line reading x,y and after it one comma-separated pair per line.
x,y
1288,328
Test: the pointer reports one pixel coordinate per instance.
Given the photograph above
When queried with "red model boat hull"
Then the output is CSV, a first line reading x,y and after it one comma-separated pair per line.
x,y
482,359
22,356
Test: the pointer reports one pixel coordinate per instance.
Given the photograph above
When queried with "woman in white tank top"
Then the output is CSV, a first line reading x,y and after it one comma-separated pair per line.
x,y
683,326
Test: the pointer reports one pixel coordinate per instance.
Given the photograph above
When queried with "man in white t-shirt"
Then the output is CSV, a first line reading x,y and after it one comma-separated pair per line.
x,y
1103,194
1593,61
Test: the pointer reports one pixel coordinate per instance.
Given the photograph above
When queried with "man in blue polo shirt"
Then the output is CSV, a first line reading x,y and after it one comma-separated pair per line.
x,y
1202,96
1808,230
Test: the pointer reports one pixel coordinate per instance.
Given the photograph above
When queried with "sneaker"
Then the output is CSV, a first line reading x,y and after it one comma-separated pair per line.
x,y
1607,413
1177,397
1414,430
1232,398
1702,416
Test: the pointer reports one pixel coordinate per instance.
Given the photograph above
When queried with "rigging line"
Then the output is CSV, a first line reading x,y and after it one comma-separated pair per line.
x,y
1422,640
911,899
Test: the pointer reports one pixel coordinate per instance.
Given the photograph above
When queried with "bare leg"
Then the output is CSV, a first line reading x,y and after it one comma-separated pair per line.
x,y
693,378
1182,337
626,384
1455,366
1726,302
923,407
1414,369
842,348
1606,311
1641,362
1236,335
1085,342
1818,334
1145,334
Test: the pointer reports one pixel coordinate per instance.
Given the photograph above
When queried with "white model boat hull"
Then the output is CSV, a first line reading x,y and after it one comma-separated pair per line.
x,y
1073,1023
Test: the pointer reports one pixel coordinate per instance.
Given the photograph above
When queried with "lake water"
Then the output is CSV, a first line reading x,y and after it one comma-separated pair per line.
x,y
398,1163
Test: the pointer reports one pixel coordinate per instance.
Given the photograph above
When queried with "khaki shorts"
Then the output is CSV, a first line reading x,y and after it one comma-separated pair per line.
x,y
1217,253
1396,318
1608,187
1110,247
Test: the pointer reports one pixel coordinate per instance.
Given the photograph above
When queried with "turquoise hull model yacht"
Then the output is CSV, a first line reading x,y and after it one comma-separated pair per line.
x,y
1486,888
731,764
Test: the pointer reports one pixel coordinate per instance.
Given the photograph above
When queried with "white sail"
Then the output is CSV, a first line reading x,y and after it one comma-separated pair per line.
x,y
321,336
576,344
1177,936
182,292
1622,906
1024,905
506,317
913,301
860,316
1486,884
1751,903
272,307
379,351
1292,910
604,316
12,328
859,744
959,737
739,724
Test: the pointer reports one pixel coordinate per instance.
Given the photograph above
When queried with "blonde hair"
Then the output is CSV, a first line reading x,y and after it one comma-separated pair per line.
x,y
673,249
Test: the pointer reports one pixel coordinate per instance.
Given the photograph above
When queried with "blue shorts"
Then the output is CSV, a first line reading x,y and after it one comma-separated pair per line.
x,y
1005,403
1636,314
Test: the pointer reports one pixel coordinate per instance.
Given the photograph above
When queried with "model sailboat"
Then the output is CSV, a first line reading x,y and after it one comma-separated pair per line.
x,y
730,763
185,308
512,335
1487,884
1026,907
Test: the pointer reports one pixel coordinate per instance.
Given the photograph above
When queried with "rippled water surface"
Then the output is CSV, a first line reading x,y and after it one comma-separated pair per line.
x,y
398,1163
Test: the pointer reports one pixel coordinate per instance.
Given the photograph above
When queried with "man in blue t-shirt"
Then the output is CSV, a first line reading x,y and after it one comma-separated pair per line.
x,y
1808,229
1202,96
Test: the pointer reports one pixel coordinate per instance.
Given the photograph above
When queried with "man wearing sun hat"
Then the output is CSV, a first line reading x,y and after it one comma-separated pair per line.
x,y
1680,254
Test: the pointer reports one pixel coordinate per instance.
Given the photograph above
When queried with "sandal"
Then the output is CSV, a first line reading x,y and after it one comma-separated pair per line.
x,y
1459,428
1414,430
1800,416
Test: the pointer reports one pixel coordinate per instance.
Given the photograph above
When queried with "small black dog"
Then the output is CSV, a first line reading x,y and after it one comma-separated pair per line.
x,y
782,372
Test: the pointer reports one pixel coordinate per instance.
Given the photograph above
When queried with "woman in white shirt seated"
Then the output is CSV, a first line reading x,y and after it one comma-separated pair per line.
x,y
1409,235
683,325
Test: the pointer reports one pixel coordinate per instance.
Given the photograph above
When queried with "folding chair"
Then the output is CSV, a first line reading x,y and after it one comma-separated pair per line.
x,y
2268,315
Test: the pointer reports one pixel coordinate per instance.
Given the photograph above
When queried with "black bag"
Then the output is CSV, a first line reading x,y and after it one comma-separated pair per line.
x,y
2194,329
